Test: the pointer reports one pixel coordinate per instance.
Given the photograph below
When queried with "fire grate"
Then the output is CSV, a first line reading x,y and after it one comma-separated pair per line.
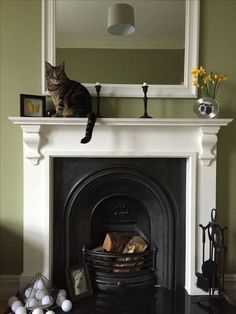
x,y
111,271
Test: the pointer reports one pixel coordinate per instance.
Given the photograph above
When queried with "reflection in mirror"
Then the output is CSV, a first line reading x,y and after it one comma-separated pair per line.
x,y
158,52
153,53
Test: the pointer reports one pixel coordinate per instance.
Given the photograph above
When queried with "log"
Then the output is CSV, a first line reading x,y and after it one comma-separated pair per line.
x,y
123,267
115,242
136,244
120,243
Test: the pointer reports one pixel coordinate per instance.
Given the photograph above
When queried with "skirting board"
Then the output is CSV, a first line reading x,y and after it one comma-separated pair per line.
x,y
230,282
9,285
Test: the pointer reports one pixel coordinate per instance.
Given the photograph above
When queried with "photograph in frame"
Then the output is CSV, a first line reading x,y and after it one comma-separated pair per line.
x,y
79,283
32,105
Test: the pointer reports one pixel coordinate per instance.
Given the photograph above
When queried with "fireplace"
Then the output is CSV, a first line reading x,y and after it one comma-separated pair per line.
x,y
144,196
193,141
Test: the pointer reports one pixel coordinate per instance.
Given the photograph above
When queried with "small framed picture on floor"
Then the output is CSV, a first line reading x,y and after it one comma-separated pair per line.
x,y
79,283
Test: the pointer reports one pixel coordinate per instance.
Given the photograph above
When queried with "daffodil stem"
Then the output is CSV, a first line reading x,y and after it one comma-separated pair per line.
x,y
216,88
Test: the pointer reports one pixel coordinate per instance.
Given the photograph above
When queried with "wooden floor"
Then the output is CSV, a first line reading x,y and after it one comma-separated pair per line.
x,y
164,302
231,297
3,306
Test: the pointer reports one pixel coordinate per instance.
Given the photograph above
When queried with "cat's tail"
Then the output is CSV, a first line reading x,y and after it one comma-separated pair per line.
x,y
89,128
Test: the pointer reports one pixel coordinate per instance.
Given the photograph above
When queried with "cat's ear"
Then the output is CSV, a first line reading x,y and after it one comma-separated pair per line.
x,y
62,65
48,66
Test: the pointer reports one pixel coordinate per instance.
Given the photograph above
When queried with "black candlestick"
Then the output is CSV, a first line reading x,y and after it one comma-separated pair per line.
x,y
145,99
98,89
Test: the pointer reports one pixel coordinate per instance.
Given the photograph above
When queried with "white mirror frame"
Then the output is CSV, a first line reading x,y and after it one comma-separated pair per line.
x,y
187,90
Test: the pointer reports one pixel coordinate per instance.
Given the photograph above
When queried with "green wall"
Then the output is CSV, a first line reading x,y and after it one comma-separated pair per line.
x,y
20,66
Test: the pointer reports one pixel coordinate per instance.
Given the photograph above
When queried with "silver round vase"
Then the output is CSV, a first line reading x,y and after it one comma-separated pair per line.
x,y
206,107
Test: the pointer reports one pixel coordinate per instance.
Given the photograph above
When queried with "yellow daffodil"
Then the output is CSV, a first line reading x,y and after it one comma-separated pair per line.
x,y
195,83
195,72
208,78
220,77
202,71
209,83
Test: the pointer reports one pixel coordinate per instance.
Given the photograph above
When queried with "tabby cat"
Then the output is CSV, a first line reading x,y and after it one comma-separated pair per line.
x,y
71,98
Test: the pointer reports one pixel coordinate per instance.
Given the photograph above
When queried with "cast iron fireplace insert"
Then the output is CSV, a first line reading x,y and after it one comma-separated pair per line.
x,y
145,196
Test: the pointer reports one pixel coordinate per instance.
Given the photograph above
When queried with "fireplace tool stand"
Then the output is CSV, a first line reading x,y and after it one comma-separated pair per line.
x,y
211,279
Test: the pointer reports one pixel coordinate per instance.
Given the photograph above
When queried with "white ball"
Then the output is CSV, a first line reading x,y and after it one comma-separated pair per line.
x,y
32,302
37,311
60,299
39,284
62,292
28,292
20,310
50,312
66,305
11,300
40,294
15,305
47,300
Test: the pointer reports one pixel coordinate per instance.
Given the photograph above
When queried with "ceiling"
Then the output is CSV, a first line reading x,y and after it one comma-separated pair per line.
x,y
83,23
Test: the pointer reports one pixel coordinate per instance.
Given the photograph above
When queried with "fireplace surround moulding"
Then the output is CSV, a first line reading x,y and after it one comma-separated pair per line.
x,y
46,138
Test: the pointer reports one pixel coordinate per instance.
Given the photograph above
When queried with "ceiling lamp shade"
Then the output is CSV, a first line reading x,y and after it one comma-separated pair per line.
x,y
120,19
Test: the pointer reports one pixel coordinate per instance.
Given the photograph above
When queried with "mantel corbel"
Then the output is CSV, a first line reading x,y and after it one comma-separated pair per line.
x,y
208,142
31,138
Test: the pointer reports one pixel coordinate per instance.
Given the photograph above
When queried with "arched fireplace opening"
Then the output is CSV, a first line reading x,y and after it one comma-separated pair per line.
x,y
132,196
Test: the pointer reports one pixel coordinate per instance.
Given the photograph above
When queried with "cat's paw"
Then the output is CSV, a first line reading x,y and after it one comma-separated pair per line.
x,y
85,140
57,115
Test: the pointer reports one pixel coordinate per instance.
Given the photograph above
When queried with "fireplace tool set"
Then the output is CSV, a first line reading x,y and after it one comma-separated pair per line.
x,y
211,279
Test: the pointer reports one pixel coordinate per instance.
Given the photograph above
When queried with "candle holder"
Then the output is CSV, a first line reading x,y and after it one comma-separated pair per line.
x,y
145,100
98,89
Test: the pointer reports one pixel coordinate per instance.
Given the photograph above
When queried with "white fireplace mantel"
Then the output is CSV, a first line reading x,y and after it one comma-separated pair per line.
x,y
46,138
32,130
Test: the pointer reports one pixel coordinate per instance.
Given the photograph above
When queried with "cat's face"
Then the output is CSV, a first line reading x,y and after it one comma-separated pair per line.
x,y
55,75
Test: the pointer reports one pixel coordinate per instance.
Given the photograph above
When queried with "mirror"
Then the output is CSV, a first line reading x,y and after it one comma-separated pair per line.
x,y
162,54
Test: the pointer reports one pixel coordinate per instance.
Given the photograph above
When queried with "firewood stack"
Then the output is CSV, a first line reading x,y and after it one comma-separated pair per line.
x,y
121,243
115,242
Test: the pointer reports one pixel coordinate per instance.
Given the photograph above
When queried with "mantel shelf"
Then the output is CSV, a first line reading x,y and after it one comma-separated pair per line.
x,y
121,121
34,127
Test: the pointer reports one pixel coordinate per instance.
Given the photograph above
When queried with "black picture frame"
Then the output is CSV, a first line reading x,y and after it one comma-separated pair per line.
x,y
32,105
79,284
